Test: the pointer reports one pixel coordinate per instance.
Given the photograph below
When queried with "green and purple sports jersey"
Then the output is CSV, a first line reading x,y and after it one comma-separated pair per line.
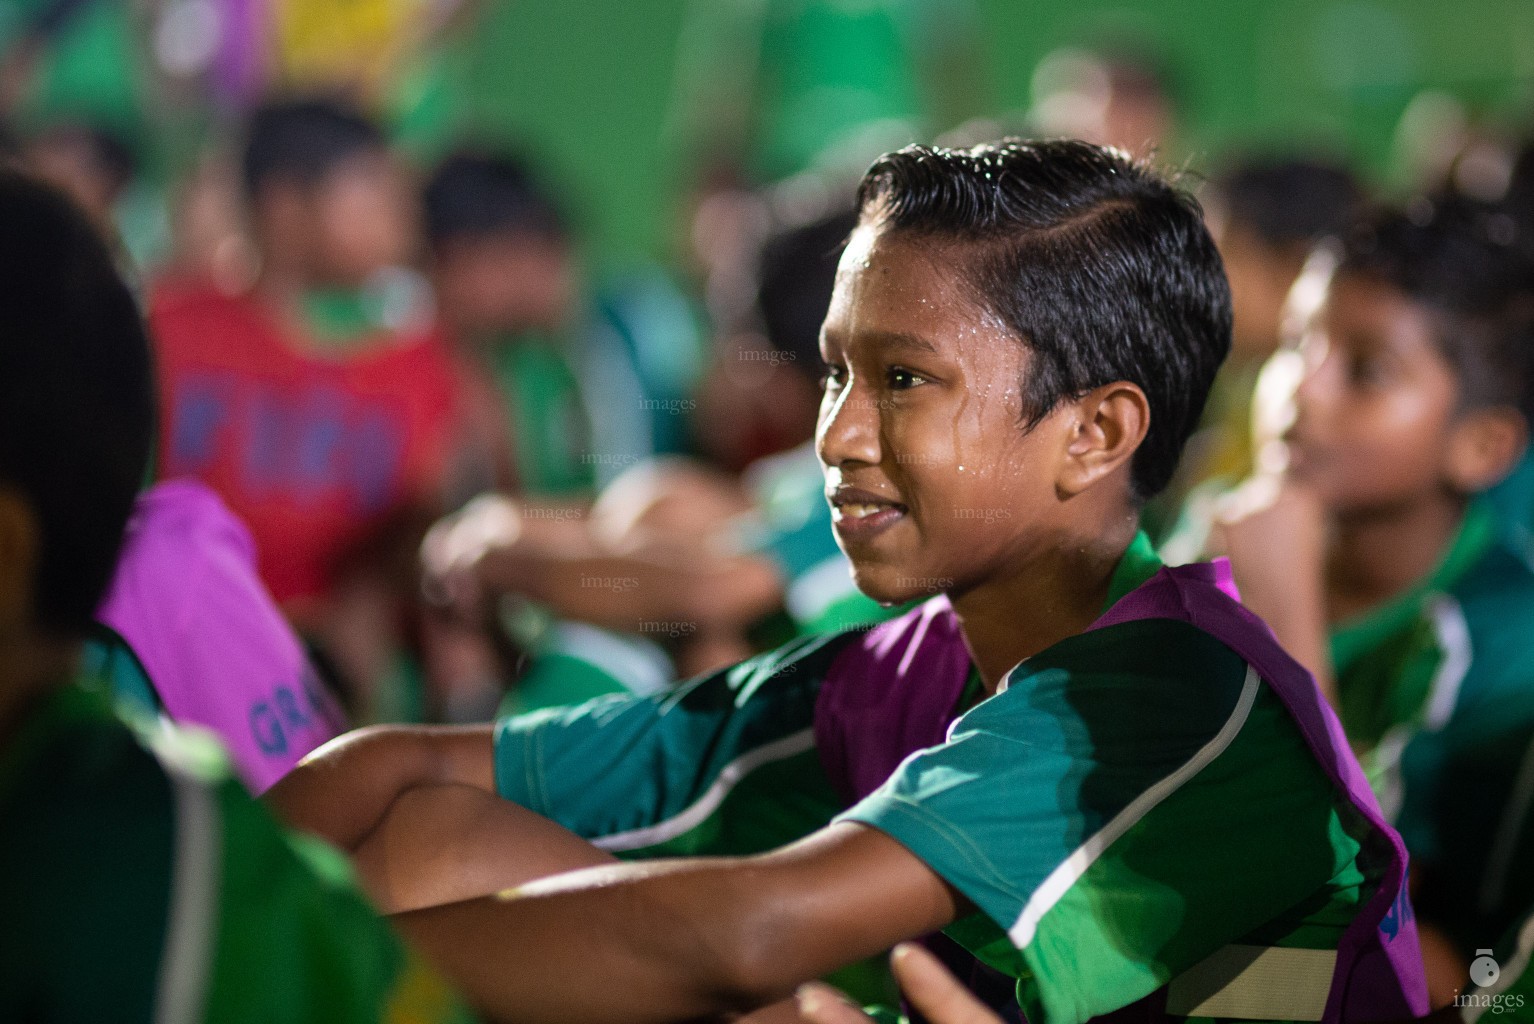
x,y
139,882
1436,690
1136,815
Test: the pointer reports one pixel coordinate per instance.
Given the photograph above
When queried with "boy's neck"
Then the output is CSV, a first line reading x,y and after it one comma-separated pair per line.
x,y
296,302
1034,606
1378,555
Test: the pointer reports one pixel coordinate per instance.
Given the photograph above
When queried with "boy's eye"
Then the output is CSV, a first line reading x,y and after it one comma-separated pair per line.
x,y
832,377
1368,370
901,379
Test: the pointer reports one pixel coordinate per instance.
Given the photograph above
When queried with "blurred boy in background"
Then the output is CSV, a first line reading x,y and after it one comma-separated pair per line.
x,y
315,403
1266,217
89,164
505,290
703,556
137,881
1380,568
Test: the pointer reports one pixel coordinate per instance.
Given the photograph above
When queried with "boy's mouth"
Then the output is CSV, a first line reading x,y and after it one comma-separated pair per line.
x,y
857,514
1304,455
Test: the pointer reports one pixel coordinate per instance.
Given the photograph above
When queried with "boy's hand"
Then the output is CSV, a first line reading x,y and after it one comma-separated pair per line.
x,y
1273,529
455,546
935,993
1274,532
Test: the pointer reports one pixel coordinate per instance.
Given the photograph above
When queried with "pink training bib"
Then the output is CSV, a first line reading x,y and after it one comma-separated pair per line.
x,y
219,654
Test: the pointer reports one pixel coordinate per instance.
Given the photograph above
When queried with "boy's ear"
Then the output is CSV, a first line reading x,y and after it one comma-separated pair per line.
x,y
18,561
1108,425
1484,446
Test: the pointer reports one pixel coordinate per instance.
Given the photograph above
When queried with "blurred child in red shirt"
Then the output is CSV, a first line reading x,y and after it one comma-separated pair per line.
x,y
316,402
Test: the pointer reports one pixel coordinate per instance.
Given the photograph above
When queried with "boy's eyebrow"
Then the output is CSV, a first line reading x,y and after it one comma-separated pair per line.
x,y
901,339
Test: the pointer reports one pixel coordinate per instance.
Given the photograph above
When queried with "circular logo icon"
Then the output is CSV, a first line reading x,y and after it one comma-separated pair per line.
x,y
1483,969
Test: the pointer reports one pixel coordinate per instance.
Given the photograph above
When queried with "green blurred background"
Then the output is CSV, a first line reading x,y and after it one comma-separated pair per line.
x,y
607,95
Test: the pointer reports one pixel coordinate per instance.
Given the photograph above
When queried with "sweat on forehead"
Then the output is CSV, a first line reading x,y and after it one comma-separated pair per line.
x,y
1103,268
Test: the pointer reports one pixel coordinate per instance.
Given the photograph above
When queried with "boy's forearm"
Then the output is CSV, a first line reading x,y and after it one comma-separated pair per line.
x,y
447,843
616,953
626,592
342,791
677,940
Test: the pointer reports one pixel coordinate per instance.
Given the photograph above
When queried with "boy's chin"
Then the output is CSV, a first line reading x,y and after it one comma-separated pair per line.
x,y
890,586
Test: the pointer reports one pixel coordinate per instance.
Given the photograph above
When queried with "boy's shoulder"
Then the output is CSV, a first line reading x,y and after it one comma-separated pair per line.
x,y
1169,659
1500,578
82,807
88,801
1482,623
1151,691
74,748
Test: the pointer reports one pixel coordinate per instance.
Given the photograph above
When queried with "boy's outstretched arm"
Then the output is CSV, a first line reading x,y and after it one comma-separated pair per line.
x,y
1277,552
447,843
677,940
342,791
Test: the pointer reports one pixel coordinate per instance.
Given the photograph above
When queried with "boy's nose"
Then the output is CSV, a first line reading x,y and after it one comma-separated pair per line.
x,y
849,429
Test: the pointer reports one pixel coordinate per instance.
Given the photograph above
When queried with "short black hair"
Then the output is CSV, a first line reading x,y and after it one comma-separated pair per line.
x,y
473,195
1462,261
1290,202
1100,266
76,395
303,140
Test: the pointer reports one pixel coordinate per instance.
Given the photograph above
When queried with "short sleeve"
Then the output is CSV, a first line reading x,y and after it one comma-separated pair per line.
x,y
725,764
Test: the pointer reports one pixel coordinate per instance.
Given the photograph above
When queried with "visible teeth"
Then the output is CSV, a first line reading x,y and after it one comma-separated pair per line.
x,y
860,511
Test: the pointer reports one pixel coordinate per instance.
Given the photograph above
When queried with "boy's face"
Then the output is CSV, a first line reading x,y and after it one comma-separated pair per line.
x,y
1376,411
933,482
503,282
360,217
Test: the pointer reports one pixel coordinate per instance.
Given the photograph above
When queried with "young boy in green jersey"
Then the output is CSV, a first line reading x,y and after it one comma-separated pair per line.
x,y
1069,759
1381,569
137,882
504,280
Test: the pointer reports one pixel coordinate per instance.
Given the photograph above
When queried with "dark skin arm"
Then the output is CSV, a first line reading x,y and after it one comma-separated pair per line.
x,y
417,810
496,545
343,790
661,940
683,939
443,844
435,842
626,591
